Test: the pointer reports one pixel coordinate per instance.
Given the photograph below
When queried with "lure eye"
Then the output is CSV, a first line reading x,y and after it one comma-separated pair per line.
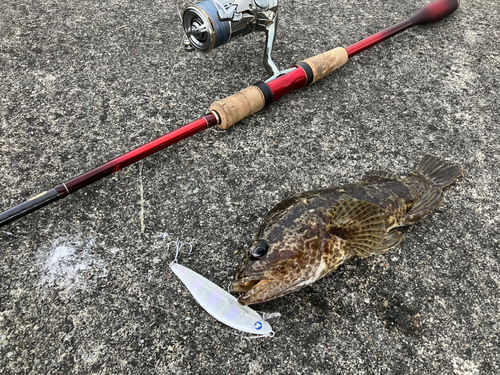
x,y
258,250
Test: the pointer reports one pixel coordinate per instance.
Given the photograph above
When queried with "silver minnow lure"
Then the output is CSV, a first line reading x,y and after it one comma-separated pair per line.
x,y
220,304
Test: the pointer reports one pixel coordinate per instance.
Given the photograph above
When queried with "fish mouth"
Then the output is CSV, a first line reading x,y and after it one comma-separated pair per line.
x,y
258,291
243,287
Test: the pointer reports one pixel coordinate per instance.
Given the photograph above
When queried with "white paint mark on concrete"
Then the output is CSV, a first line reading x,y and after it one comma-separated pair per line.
x,y
464,367
67,264
255,368
91,356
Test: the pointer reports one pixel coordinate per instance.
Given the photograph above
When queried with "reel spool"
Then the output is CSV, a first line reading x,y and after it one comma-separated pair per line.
x,y
213,23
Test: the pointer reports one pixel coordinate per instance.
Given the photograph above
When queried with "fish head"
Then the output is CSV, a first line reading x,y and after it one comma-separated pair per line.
x,y
277,265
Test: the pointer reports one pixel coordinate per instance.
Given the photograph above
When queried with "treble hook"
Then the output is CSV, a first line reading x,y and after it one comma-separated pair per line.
x,y
178,247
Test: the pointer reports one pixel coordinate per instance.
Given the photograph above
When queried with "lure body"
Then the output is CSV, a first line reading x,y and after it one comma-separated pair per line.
x,y
220,304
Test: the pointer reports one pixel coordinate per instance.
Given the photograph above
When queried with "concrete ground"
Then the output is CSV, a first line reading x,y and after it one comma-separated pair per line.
x,y
85,286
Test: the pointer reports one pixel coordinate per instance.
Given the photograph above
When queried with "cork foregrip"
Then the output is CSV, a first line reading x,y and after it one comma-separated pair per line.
x,y
238,106
325,63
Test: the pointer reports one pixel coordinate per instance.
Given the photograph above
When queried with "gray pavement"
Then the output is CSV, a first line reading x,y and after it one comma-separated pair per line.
x,y
85,286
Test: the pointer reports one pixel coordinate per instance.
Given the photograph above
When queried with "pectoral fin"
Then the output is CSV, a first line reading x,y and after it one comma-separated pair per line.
x,y
362,226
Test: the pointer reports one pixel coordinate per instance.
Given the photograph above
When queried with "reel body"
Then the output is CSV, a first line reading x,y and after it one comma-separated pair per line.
x,y
213,23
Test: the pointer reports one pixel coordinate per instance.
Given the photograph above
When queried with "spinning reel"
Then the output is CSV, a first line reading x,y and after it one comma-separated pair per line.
x,y
212,23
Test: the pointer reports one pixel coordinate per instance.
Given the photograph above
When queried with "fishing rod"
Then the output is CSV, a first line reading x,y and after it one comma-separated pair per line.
x,y
209,25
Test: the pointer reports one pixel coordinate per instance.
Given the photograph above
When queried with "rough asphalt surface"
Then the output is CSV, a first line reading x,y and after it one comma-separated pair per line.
x,y
85,286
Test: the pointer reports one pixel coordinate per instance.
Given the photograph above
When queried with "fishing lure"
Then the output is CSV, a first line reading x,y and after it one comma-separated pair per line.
x,y
219,303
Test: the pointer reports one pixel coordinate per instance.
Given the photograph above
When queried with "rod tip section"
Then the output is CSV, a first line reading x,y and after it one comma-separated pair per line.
x,y
435,10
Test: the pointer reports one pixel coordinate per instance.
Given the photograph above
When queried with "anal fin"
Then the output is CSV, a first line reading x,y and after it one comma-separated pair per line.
x,y
427,202
391,239
362,225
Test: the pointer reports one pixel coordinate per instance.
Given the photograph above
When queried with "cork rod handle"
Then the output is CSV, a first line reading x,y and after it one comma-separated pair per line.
x,y
325,63
251,100
238,106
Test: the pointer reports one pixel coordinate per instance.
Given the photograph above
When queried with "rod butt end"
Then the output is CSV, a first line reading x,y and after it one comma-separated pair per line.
x,y
30,205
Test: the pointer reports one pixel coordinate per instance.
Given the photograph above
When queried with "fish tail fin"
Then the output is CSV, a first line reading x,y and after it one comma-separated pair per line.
x,y
438,171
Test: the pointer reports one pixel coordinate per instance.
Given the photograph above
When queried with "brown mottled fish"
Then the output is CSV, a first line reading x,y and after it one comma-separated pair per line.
x,y
309,235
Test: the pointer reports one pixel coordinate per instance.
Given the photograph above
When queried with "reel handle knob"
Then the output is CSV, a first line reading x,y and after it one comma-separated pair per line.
x,y
188,47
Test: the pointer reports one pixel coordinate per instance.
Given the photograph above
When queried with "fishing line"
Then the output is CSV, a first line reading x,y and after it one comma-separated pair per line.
x,y
174,64
178,10
180,48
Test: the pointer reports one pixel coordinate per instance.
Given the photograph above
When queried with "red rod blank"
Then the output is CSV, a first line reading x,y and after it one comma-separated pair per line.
x,y
432,12
139,153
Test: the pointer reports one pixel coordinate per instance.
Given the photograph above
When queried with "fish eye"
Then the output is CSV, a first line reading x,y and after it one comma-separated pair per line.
x,y
258,250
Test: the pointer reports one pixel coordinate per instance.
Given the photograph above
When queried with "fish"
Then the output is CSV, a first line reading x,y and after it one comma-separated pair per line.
x,y
309,235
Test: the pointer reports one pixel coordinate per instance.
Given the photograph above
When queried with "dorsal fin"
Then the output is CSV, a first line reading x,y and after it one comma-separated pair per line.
x,y
362,226
380,176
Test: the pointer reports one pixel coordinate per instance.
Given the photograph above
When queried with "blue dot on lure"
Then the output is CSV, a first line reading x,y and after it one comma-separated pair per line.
x,y
219,303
